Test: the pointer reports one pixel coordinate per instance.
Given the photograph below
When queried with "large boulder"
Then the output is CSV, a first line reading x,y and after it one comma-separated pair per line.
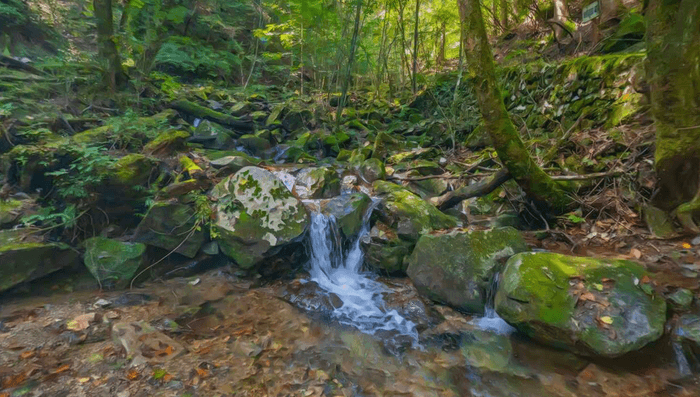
x,y
25,257
171,226
595,307
256,216
349,211
458,268
113,263
407,213
402,217
317,183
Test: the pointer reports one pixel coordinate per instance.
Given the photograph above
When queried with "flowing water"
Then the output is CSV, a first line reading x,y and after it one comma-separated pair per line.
x,y
338,271
491,320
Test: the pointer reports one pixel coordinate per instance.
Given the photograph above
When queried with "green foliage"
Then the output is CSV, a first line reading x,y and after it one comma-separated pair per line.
x,y
51,217
84,174
184,55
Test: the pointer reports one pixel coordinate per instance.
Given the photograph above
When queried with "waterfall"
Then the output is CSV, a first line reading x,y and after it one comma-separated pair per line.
x,y
339,271
491,320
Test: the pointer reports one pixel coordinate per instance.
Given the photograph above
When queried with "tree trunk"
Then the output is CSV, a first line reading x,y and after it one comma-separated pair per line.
x,y
545,192
561,16
351,60
115,77
443,43
673,34
504,14
415,48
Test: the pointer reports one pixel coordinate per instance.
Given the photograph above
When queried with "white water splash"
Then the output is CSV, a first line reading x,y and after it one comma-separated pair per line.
x,y
338,272
491,320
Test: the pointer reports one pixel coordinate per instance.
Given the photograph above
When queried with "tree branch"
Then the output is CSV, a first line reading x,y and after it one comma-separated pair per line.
x,y
450,199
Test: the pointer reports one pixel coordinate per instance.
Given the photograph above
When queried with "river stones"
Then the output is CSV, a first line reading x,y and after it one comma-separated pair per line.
x,y
349,211
113,263
256,216
595,307
317,183
24,256
171,226
687,334
458,268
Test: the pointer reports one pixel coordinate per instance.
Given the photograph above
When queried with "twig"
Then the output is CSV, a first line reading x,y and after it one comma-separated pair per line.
x,y
450,199
586,176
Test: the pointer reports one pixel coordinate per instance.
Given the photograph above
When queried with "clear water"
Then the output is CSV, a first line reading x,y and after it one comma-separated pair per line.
x,y
339,271
492,321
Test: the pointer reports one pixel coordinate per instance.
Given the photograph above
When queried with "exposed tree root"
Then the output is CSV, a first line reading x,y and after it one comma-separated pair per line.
x,y
450,199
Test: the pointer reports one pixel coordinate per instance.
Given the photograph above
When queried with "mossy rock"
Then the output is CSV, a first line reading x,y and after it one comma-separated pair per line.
x,y
113,263
139,131
408,214
594,307
254,144
372,170
687,334
256,217
25,256
171,226
167,143
385,251
458,268
349,211
132,170
296,119
213,136
385,145
317,183
10,212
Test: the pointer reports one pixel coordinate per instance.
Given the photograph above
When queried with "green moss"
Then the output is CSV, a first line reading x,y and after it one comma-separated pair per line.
x,y
132,170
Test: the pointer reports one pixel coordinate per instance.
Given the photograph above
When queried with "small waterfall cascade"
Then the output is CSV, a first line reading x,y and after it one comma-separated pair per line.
x,y
491,321
338,271
682,364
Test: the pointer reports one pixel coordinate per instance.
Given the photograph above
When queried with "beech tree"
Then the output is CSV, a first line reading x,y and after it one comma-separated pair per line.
x,y
673,34
511,150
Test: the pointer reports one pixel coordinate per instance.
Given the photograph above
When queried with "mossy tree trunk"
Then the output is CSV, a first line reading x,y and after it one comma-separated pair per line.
x,y
482,72
114,76
673,37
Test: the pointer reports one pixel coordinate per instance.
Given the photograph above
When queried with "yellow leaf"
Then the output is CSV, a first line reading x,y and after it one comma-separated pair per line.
x,y
597,286
607,320
687,246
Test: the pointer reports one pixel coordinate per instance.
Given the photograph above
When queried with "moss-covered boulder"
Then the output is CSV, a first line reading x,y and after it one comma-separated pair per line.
x,y
458,268
256,216
349,211
407,213
372,170
595,307
385,251
171,226
317,183
132,170
167,143
11,211
25,257
213,136
113,263
254,144
135,133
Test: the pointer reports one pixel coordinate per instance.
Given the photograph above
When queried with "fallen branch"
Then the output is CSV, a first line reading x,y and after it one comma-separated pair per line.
x,y
441,176
450,199
212,115
15,64
586,176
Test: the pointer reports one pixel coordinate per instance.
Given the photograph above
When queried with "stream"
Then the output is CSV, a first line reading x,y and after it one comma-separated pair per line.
x,y
337,330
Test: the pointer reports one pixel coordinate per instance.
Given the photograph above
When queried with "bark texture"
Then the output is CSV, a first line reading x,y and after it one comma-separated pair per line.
x,y
536,183
115,76
673,72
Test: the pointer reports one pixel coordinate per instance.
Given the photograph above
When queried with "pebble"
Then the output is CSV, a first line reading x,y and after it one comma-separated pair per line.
x,y
695,241
102,303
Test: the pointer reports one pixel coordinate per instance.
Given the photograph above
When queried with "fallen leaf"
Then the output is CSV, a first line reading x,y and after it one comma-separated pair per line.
x,y
84,380
687,246
606,319
636,253
587,297
27,354
62,368
81,322
133,375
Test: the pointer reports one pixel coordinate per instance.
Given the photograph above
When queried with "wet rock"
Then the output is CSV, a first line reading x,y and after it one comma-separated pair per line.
x,y
12,210
171,226
257,216
458,268
489,351
25,256
349,211
317,183
384,144
595,307
680,300
113,263
687,334
385,250
144,344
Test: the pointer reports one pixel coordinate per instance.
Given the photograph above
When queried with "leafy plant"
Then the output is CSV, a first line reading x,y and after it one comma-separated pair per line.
x,y
84,174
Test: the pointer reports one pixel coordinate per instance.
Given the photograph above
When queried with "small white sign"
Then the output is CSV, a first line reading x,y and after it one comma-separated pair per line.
x,y
590,11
